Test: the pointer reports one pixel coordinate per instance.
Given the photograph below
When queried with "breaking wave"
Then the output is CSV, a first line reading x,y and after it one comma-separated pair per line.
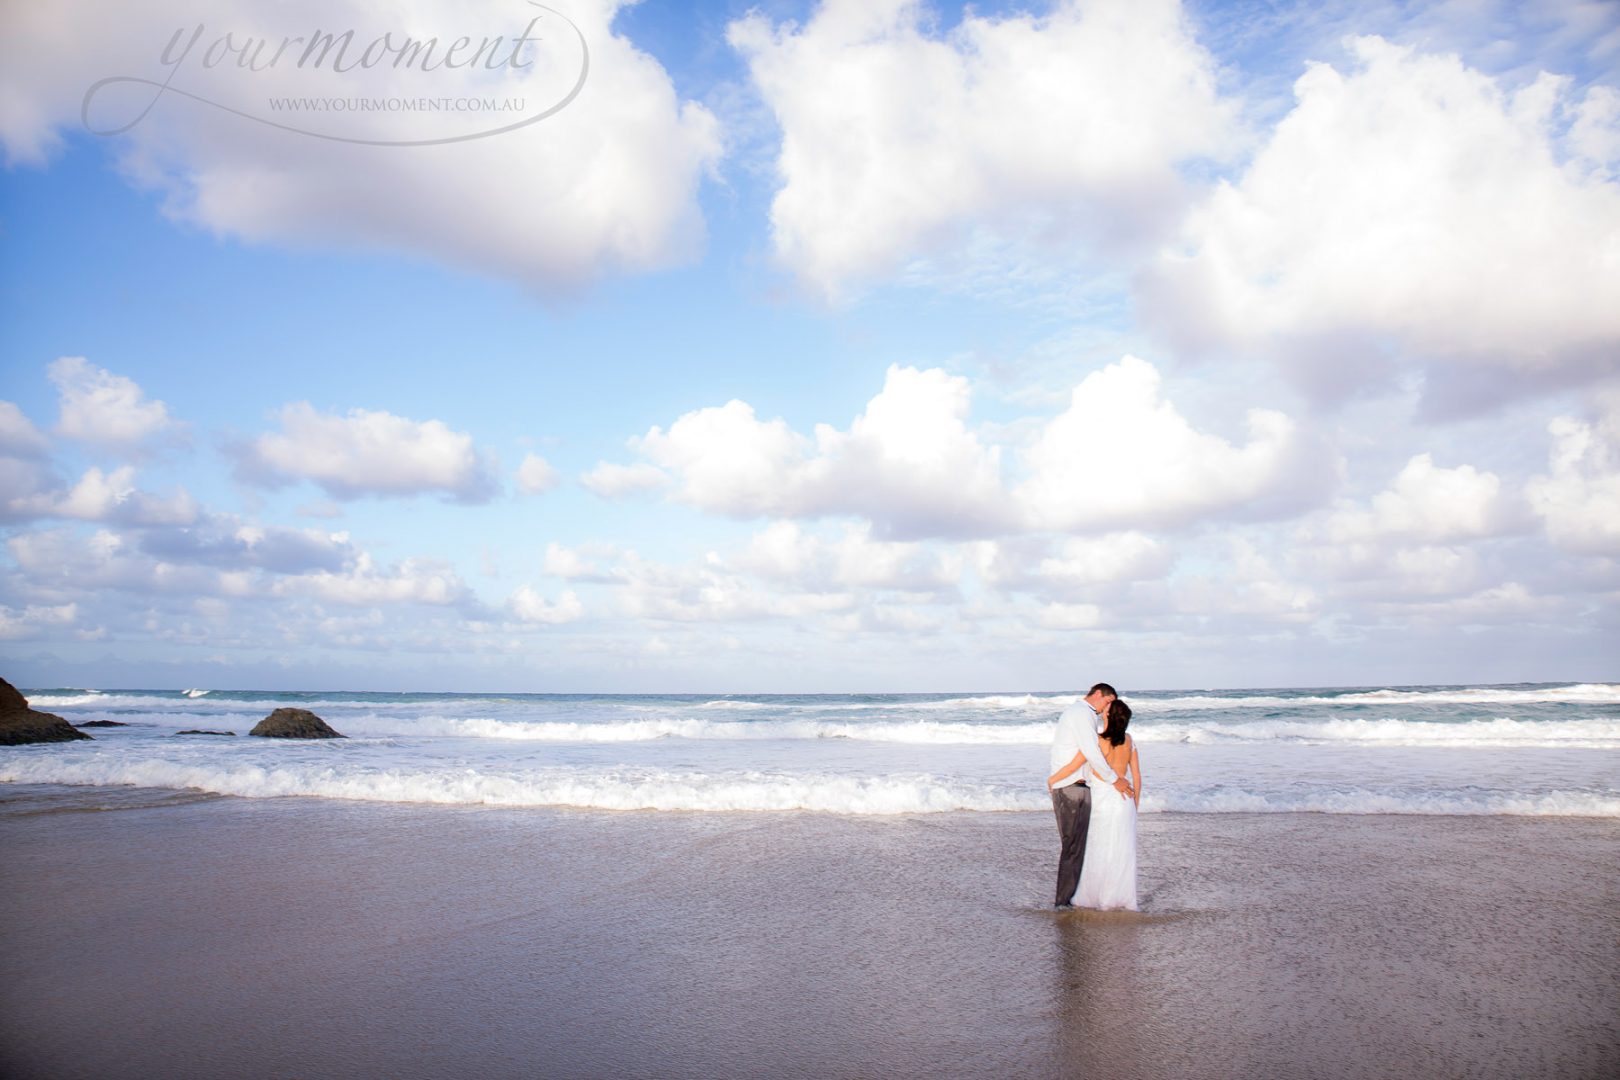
x,y
669,790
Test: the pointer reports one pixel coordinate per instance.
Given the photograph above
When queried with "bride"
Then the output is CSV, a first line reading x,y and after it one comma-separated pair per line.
x,y
1108,878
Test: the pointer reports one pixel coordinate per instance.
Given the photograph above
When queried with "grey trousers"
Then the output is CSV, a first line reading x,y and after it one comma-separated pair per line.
x,y
1072,805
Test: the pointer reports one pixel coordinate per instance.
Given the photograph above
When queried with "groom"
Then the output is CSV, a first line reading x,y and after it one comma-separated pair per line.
x,y
1074,747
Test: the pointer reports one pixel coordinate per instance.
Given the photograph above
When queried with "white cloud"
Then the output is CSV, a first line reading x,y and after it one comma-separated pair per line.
x,y
896,143
29,490
57,562
574,564
608,184
413,581
34,620
100,407
536,476
784,552
908,463
1595,135
368,453
18,435
224,541
1247,583
1121,456
1096,560
727,460
109,497
713,590
1061,616
530,606
1414,201
1578,497
613,481
1427,503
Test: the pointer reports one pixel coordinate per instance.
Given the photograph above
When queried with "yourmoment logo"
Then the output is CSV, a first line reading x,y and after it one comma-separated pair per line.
x,y
362,88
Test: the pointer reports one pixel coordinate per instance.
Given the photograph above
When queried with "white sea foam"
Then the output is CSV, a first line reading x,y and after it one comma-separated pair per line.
x,y
84,697
653,789
1574,694
642,789
1458,803
1504,731
623,731
1593,733
1578,694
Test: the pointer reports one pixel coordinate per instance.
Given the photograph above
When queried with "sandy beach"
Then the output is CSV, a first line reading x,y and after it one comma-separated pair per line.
x,y
169,934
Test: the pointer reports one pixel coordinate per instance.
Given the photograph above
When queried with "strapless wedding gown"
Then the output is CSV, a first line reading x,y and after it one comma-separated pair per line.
x,y
1108,878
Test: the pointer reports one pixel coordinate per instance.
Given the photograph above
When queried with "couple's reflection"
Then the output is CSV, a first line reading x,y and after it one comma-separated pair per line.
x,y
1104,1002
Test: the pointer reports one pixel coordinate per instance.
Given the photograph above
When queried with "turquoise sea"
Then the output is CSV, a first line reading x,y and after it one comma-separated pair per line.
x,y
1526,749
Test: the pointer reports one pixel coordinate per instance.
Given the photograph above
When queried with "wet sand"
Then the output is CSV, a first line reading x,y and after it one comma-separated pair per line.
x,y
211,937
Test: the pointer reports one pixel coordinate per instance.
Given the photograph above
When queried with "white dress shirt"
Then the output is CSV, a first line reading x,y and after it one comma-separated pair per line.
x,y
1077,732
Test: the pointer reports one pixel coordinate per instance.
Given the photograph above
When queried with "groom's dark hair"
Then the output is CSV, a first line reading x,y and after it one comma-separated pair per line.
x,y
1104,689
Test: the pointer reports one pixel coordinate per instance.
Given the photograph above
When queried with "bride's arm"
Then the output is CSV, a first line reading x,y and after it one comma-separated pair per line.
x,y
1136,775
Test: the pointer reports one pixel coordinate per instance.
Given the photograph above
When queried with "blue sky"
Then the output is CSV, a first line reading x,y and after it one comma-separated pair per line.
x,y
824,347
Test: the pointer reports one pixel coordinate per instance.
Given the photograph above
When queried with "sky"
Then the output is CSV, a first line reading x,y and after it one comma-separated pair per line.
x,y
791,347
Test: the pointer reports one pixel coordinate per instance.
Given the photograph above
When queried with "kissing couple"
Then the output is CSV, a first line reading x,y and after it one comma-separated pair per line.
x,y
1095,803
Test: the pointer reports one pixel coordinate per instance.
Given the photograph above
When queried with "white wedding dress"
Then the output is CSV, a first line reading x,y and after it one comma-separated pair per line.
x,y
1108,878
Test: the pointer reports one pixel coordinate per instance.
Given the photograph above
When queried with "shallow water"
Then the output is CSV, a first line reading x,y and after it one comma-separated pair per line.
x,y
306,937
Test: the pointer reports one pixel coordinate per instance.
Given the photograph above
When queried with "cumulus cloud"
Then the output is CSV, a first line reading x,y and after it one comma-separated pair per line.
x,y
1249,583
714,591
908,463
1075,120
536,476
61,562
529,606
223,541
100,407
576,564
365,583
107,497
1427,503
1412,203
1578,498
30,490
1062,616
1095,560
612,481
1122,456
34,620
785,552
608,184
367,452
18,435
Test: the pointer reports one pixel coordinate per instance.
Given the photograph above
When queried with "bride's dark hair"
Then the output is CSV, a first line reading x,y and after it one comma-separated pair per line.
x,y
1119,718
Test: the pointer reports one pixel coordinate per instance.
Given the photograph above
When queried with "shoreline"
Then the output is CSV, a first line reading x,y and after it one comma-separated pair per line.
x,y
299,937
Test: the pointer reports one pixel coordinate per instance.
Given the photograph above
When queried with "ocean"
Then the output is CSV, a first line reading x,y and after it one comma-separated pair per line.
x,y
1523,750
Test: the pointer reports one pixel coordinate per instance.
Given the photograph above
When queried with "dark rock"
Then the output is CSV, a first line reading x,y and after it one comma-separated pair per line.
x,y
102,723
294,724
11,699
20,724
200,731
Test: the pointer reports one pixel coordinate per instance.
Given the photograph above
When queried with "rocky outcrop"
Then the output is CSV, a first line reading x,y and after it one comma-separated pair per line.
x,y
200,731
294,724
20,724
102,723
